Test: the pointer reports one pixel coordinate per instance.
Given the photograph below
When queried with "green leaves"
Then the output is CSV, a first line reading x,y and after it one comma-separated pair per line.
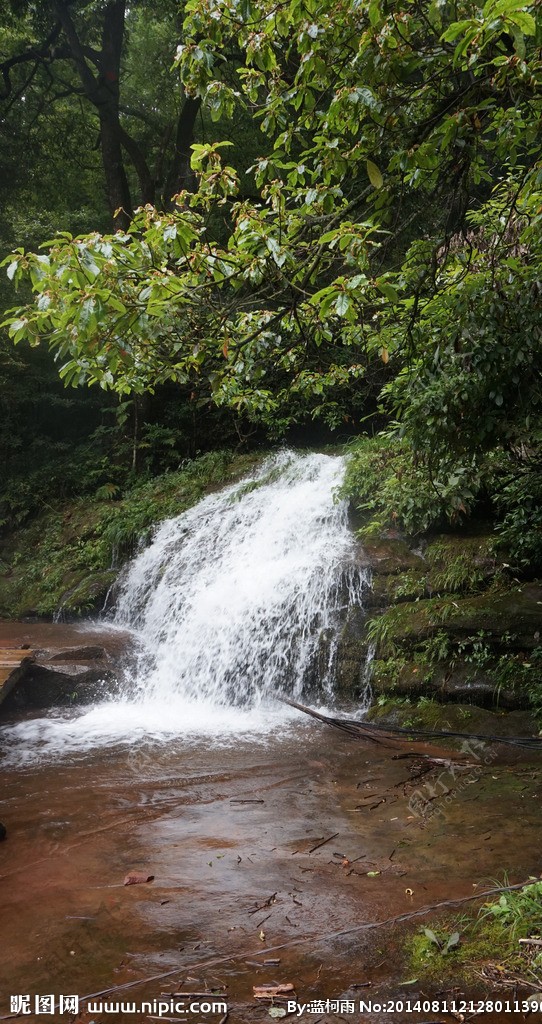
x,y
342,304
336,257
374,175
387,289
443,944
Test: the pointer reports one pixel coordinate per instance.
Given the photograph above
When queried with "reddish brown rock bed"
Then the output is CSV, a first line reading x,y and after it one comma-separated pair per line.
x,y
259,851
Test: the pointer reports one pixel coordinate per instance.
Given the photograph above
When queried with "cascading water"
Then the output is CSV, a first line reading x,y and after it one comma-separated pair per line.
x,y
235,601
233,597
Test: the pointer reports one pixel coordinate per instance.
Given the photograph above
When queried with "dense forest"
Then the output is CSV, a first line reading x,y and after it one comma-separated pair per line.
x,y
224,225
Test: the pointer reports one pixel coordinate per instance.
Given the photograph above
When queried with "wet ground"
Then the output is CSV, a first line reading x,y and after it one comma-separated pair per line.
x,y
261,850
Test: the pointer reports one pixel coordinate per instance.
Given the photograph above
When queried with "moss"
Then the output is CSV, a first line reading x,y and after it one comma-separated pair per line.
x,y
428,961
450,564
391,588
517,613
89,592
390,555
485,649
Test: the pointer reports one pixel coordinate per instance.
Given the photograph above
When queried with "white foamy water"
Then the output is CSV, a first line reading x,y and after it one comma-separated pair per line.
x,y
234,602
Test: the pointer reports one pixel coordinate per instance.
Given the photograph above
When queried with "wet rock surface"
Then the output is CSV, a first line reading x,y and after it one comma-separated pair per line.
x,y
62,668
42,687
312,836
88,653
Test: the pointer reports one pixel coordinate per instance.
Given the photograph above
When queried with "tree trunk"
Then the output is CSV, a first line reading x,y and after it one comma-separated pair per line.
x,y
103,91
181,175
118,191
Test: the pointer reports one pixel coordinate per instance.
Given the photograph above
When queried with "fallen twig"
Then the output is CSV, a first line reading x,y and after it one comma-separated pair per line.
x,y
262,906
323,843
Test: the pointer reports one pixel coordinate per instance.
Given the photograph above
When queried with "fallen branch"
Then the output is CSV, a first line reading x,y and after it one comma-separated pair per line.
x,y
365,730
358,729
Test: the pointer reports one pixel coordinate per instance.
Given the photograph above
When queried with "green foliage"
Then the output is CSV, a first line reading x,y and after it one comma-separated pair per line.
x,y
519,508
471,380
392,489
57,558
459,946
381,256
520,911
295,305
460,565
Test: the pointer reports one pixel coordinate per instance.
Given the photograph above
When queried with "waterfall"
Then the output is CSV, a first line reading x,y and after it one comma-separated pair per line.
x,y
233,599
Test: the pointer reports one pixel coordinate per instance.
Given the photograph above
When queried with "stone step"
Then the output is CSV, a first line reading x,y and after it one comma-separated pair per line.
x,y
12,660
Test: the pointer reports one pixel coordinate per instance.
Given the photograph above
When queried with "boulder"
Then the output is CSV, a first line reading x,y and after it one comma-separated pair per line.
x,y
42,687
79,654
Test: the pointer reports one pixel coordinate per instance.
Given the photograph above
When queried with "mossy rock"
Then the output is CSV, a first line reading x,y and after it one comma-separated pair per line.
x,y
390,555
88,593
397,677
516,615
459,562
444,564
465,718
63,555
395,588
455,682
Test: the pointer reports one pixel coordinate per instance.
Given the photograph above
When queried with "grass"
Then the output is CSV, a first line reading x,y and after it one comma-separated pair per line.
x,y
484,947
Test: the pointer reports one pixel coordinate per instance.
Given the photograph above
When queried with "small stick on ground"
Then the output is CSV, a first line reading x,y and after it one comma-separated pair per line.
x,y
262,906
323,843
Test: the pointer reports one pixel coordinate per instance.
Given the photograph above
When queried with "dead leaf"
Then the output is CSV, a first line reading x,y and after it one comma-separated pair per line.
x,y
136,877
271,991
